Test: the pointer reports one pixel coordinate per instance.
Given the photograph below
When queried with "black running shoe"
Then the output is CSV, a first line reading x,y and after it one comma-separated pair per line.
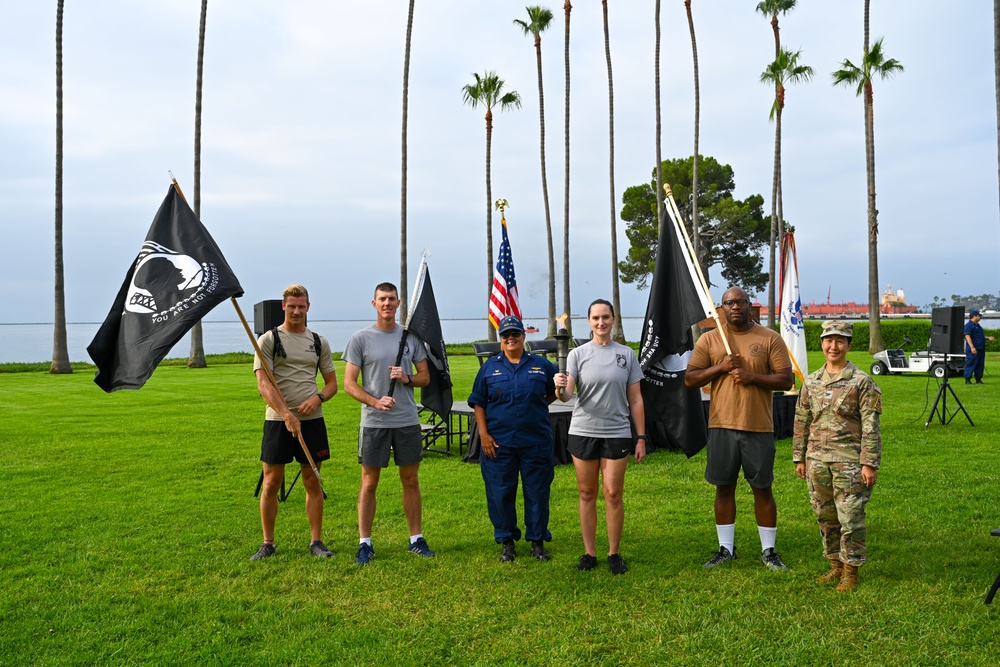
x,y
317,548
266,551
365,553
509,553
538,551
771,558
617,564
587,563
421,549
722,556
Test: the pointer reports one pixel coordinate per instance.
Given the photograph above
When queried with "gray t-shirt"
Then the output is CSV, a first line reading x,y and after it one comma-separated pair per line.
x,y
374,350
603,374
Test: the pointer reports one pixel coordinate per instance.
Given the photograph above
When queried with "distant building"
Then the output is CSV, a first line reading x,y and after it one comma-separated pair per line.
x,y
893,303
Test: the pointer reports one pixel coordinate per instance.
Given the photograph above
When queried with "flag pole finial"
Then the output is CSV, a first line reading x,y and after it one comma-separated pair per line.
x,y
501,204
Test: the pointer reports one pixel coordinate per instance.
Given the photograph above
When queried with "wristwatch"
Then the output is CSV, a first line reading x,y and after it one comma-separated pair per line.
x,y
640,437
321,396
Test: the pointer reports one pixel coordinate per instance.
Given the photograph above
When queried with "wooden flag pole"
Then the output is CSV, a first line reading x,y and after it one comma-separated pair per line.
x,y
694,262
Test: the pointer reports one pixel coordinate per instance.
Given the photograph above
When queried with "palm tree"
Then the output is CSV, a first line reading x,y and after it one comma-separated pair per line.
x,y
196,358
697,133
539,19
60,348
617,334
996,72
772,8
488,91
656,89
784,69
567,8
873,63
403,280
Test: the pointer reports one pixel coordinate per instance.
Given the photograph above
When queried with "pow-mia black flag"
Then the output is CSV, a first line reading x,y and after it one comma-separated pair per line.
x,y
423,321
675,418
177,278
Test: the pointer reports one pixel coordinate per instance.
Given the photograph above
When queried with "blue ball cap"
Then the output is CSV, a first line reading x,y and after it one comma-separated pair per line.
x,y
974,312
511,323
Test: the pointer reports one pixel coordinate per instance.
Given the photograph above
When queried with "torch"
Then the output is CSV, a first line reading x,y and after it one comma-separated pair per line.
x,y
562,345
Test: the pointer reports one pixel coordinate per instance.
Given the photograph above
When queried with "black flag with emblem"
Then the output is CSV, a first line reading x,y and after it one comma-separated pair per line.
x,y
178,276
425,324
675,418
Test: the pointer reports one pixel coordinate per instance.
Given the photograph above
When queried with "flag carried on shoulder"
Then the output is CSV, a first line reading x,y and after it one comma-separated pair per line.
x,y
793,330
504,300
675,418
423,321
178,276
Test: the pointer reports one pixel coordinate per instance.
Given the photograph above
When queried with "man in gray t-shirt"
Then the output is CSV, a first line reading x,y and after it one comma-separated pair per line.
x,y
388,423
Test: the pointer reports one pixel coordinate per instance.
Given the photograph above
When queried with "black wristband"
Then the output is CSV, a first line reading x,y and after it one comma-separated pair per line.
x,y
322,398
640,437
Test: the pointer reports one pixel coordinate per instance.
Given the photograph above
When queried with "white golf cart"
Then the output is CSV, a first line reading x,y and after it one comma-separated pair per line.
x,y
894,362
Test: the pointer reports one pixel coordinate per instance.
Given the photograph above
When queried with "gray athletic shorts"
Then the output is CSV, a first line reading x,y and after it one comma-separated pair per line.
x,y
729,450
405,443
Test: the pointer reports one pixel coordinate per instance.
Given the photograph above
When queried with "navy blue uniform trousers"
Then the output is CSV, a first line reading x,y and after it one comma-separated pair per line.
x,y
535,466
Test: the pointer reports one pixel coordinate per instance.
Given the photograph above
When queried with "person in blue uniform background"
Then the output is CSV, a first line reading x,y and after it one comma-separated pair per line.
x,y
510,398
975,348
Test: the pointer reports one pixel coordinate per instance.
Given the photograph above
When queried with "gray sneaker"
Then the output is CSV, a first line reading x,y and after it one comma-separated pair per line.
x,y
722,556
266,551
771,558
317,548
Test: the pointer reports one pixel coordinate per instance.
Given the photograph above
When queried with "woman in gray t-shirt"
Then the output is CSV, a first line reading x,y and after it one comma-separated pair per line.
x,y
606,378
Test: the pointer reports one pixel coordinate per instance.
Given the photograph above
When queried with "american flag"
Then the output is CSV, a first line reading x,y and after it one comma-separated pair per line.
x,y
503,300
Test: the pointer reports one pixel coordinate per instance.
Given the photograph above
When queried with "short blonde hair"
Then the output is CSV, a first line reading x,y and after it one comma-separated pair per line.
x,y
295,290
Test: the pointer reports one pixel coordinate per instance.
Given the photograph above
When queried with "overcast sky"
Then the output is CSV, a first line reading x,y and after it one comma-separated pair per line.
x,y
301,142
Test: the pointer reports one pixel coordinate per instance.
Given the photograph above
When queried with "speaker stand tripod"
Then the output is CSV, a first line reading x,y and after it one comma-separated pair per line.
x,y
942,399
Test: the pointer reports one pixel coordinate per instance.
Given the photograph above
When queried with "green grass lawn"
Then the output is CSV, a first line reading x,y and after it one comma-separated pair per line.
x,y
129,519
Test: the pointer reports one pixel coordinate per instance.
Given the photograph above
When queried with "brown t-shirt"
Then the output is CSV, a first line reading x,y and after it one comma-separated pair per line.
x,y
736,406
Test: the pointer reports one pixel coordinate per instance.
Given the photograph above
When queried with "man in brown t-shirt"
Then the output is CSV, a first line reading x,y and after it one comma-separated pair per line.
x,y
740,422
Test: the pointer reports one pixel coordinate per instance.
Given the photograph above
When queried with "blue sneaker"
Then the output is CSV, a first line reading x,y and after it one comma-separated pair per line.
x,y
365,553
421,549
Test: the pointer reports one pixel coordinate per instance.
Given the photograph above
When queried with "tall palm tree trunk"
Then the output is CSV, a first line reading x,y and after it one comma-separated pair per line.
x,y
874,316
196,358
996,70
567,8
617,333
60,347
656,88
697,132
491,334
403,280
551,330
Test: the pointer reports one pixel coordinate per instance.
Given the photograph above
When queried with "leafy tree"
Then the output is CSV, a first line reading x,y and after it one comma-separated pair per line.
x,y
60,348
616,333
539,19
403,266
734,232
196,358
873,63
488,91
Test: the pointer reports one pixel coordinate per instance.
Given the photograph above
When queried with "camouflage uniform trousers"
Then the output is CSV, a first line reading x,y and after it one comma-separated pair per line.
x,y
838,496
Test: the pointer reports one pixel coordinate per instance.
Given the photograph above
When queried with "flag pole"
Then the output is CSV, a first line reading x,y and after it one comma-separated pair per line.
x,y
256,349
274,383
679,228
409,316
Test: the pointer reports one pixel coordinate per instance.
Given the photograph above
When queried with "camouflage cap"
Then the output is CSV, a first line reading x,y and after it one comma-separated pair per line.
x,y
837,328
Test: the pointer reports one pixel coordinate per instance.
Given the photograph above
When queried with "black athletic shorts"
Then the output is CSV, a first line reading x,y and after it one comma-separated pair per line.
x,y
586,448
279,446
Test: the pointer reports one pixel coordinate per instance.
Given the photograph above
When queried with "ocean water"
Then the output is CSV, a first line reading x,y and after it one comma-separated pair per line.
x,y
29,343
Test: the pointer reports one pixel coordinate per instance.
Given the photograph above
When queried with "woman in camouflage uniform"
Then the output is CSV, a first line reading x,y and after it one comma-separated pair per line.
x,y
837,449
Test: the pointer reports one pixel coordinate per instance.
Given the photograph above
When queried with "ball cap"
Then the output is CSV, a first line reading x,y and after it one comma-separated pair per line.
x,y
511,323
837,328
974,312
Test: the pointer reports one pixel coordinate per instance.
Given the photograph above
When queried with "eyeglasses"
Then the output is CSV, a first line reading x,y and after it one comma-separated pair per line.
x,y
736,302
511,334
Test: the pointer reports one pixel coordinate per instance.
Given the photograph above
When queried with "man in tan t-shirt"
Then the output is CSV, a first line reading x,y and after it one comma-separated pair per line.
x,y
740,422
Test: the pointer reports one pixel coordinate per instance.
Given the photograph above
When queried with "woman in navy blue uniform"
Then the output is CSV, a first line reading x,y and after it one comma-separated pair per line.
x,y
511,397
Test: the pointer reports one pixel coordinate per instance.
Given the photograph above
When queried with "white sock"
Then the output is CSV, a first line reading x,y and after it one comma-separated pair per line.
x,y
414,538
727,535
766,537
366,540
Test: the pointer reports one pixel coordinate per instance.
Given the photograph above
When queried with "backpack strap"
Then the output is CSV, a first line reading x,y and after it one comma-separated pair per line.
x,y
278,350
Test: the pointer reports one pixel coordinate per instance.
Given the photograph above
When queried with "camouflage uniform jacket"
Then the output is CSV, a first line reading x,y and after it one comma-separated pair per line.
x,y
838,421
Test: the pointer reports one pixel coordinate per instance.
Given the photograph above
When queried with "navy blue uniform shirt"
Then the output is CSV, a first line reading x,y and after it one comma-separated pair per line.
x,y
516,399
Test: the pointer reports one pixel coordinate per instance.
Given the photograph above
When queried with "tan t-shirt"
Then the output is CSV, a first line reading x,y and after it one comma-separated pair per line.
x,y
735,406
296,373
